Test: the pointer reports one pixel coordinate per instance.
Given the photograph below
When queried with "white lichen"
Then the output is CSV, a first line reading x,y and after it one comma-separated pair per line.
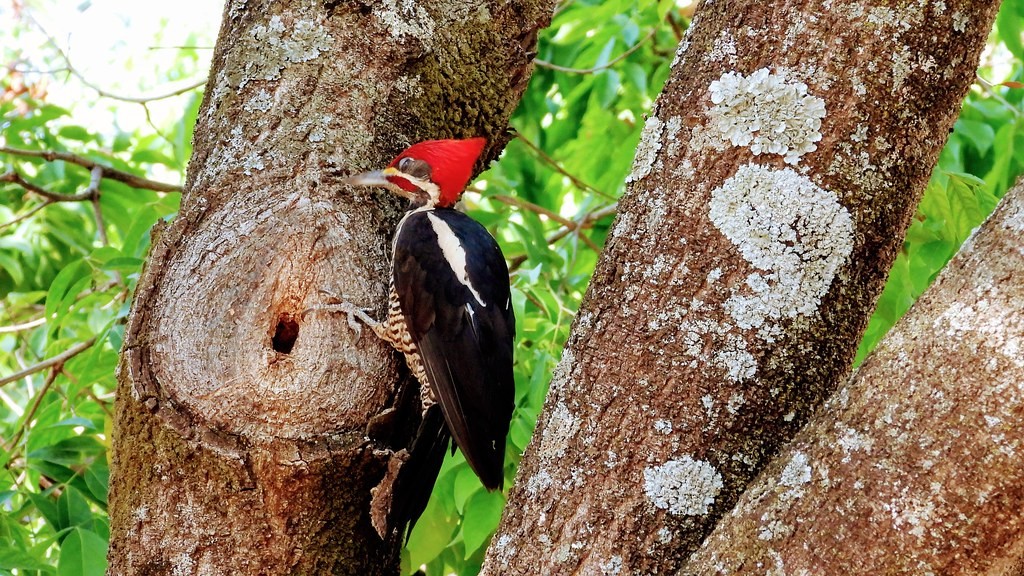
x,y
278,47
733,356
766,113
613,567
724,48
853,441
960,21
261,102
647,150
797,471
730,349
797,234
773,529
560,429
407,18
684,487
978,322
736,401
561,376
539,482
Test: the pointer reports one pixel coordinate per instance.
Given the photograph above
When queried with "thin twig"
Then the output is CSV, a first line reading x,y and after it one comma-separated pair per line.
x,y
158,131
535,208
26,419
53,361
26,215
558,168
565,222
138,99
179,47
13,177
995,94
23,326
586,222
561,7
81,77
606,65
108,172
94,185
100,401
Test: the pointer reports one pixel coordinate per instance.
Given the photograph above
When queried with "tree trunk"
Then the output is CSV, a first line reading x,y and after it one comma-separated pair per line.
x,y
241,437
771,190
914,466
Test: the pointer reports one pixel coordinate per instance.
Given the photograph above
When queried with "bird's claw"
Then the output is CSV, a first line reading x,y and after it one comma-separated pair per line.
x,y
356,315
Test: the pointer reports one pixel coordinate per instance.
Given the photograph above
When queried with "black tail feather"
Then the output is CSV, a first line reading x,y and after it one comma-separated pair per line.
x,y
417,475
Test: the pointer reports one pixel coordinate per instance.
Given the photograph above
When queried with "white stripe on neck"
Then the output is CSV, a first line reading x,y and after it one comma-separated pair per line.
x,y
454,253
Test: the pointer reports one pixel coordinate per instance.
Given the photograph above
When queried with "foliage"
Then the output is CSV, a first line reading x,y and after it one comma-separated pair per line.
x,y
68,269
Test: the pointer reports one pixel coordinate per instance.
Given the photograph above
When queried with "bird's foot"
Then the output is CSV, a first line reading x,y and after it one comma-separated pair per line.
x,y
355,314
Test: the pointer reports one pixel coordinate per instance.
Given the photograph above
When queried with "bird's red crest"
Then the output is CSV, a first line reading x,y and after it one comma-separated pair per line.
x,y
451,163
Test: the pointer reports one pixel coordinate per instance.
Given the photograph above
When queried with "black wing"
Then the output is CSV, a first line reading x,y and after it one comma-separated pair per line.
x,y
453,287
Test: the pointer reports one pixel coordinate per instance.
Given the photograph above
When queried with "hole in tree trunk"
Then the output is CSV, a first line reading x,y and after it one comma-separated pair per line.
x,y
286,334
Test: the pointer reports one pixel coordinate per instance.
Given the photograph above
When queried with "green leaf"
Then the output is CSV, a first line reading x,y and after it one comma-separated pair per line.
x,y
14,559
97,478
11,264
1010,23
75,421
60,289
431,535
72,509
83,553
999,176
483,512
466,484
520,432
664,7
969,203
978,134
76,133
608,84
47,508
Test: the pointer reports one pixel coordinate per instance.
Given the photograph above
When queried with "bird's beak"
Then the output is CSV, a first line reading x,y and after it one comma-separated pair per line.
x,y
375,178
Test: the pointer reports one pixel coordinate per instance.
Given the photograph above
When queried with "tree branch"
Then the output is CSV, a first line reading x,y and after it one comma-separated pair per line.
x,y
573,227
537,209
606,65
105,94
990,88
13,177
54,361
108,172
543,156
28,214
26,419
23,326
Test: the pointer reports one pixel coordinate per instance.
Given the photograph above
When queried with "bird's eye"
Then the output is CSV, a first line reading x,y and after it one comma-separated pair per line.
x,y
416,168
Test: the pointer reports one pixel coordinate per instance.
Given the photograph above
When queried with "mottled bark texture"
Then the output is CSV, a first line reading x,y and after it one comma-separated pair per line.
x,y
241,440
913,467
771,191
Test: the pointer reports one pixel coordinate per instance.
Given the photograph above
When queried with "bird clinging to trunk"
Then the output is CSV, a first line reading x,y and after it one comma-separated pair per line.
x,y
450,313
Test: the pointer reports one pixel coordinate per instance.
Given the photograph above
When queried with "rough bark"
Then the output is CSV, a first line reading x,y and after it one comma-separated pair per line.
x,y
913,467
771,190
241,437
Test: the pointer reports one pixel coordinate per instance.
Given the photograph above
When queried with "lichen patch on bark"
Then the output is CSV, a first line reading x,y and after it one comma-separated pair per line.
x,y
766,113
683,486
794,233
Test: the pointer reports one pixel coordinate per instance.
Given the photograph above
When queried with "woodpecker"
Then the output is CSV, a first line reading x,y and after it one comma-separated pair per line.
x,y
450,314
